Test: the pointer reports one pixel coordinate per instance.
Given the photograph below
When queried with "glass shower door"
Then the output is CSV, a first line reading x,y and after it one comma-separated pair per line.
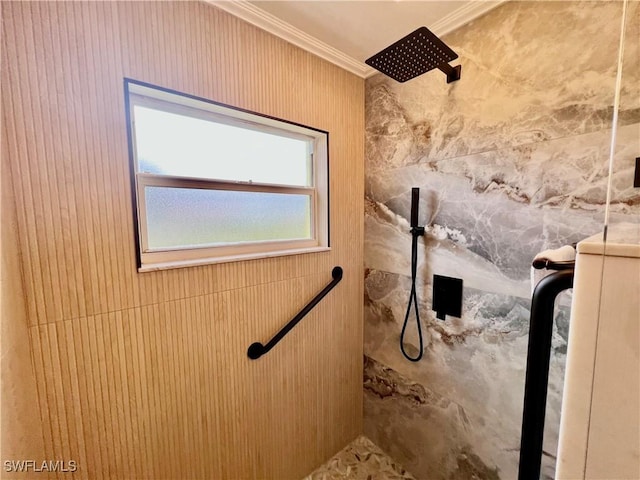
x,y
600,425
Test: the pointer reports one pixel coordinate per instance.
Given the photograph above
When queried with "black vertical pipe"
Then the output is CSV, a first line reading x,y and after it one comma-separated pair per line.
x,y
537,377
415,198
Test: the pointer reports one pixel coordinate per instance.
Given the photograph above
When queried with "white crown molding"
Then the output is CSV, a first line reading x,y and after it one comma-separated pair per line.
x,y
272,24
463,15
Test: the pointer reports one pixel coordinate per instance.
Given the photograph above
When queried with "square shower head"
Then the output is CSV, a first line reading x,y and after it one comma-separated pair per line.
x,y
413,55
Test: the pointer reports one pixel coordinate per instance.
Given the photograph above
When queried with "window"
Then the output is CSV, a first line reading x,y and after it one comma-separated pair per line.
x,y
213,183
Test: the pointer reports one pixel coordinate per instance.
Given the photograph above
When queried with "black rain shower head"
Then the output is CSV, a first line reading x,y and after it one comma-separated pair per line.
x,y
415,54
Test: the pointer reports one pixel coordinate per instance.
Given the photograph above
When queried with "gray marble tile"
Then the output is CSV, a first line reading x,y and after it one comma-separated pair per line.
x,y
509,204
423,428
477,361
434,434
531,71
510,160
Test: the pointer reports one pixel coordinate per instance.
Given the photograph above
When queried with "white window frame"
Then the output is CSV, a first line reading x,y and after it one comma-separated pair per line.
x,y
140,93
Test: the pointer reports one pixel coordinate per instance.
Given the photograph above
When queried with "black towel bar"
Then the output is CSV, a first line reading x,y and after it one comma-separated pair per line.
x,y
537,374
551,265
256,350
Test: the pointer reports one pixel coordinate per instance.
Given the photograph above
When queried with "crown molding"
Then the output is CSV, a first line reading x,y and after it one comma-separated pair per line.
x,y
272,24
463,15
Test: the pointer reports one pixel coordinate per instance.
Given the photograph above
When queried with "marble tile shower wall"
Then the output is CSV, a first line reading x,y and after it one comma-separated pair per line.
x,y
510,160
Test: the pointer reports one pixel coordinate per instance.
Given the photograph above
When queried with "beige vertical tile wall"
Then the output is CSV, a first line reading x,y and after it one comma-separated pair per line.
x,y
20,425
146,375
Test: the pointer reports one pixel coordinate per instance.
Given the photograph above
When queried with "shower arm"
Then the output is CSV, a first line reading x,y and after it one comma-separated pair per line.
x,y
452,73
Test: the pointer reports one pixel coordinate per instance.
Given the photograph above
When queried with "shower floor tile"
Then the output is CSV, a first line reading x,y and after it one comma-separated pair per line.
x,y
360,460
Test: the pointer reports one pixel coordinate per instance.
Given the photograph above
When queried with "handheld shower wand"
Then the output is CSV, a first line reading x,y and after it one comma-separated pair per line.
x,y
416,231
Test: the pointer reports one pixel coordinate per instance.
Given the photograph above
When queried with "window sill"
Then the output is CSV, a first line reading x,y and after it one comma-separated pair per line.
x,y
226,259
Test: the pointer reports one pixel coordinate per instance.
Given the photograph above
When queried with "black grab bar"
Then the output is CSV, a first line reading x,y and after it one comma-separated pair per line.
x,y
256,350
537,376
551,265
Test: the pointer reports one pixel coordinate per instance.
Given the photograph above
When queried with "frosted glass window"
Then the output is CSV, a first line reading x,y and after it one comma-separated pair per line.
x,y
185,216
174,144
213,183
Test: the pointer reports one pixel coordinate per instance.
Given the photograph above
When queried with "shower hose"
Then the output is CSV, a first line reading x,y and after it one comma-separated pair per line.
x,y
413,299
